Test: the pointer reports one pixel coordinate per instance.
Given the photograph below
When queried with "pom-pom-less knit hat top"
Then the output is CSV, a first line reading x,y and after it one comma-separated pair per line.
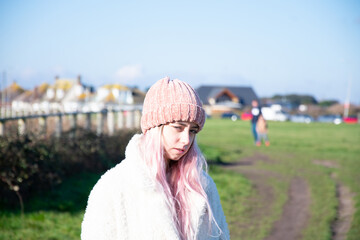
x,y
171,101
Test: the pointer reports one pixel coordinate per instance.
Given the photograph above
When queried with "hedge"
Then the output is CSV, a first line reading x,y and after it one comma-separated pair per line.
x,y
31,163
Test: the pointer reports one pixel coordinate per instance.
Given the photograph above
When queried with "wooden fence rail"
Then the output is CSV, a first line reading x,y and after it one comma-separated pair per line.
x,y
113,119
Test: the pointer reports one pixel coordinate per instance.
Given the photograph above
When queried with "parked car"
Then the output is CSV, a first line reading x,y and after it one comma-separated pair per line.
x,y
351,119
246,116
301,118
231,115
274,114
330,118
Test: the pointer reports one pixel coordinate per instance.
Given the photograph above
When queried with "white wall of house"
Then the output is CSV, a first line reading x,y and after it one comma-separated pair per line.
x,y
101,94
50,93
60,100
60,93
121,96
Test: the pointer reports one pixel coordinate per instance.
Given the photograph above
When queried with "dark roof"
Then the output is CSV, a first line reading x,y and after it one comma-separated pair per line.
x,y
245,94
138,95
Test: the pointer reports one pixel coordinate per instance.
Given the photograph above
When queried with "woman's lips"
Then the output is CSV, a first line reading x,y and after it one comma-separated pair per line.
x,y
180,150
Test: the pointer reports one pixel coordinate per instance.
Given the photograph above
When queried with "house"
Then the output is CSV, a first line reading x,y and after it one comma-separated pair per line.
x,y
71,95
55,94
77,96
116,96
111,96
218,99
31,100
67,95
138,96
10,93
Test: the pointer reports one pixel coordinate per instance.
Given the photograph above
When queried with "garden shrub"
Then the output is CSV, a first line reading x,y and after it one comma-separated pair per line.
x,y
33,163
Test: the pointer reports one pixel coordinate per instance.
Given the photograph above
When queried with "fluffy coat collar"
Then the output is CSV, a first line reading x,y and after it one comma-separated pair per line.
x,y
126,204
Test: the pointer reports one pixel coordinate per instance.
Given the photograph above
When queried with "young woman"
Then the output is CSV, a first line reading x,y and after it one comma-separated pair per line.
x,y
160,190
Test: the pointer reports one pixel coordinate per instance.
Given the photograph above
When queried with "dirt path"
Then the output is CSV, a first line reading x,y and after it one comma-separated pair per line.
x,y
345,213
260,180
262,201
346,208
295,213
296,210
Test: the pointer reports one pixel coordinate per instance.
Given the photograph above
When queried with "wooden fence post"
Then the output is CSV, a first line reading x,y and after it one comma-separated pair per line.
x,y
137,119
58,126
129,119
3,112
100,122
110,122
88,121
2,128
120,119
21,126
73,120
42,125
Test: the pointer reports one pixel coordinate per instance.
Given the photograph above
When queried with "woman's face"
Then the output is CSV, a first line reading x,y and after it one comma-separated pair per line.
x,y
178,138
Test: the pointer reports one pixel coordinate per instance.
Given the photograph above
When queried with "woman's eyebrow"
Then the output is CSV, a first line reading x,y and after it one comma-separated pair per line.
x,y
184,124
181,123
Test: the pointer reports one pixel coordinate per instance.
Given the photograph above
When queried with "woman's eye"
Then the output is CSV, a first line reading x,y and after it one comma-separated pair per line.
x,y
194,131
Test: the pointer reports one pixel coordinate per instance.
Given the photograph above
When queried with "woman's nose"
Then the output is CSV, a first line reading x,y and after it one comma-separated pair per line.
x,y
185,138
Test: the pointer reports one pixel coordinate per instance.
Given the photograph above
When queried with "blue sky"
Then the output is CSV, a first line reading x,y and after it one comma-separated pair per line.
x,y
277,47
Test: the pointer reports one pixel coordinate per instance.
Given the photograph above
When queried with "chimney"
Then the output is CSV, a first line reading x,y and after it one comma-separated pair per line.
x,y
36,93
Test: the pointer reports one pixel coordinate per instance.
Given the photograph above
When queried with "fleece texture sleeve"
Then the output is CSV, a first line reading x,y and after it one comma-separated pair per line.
x,y
101,221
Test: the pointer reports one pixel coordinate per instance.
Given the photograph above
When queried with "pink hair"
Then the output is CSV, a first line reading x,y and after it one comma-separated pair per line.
x,y
182,178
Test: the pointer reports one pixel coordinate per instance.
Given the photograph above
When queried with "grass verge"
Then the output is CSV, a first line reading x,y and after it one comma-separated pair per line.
x,y
293,151
294,147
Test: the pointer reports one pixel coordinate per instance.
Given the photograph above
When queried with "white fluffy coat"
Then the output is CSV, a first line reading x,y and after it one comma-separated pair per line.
x,y
126,204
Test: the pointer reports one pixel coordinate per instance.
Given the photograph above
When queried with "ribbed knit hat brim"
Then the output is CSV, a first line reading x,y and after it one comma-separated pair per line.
x,y
171,101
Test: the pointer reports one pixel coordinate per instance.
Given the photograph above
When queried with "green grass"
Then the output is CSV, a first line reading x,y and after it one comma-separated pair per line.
x,y
233,189
56,214
294,147
40,225
306,143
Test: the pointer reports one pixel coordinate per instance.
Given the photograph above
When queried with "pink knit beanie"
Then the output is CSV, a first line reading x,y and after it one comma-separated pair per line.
x,y
170,101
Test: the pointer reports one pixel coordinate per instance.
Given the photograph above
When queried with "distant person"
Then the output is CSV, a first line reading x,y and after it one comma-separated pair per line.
x,y
255,113
161,189
262,131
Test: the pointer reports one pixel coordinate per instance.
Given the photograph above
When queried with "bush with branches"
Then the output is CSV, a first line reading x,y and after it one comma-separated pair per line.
x,y
31,163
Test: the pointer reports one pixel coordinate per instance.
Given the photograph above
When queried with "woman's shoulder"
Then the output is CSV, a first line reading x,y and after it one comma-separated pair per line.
x,y
127,167
112,178
125,177
207,182
114,172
